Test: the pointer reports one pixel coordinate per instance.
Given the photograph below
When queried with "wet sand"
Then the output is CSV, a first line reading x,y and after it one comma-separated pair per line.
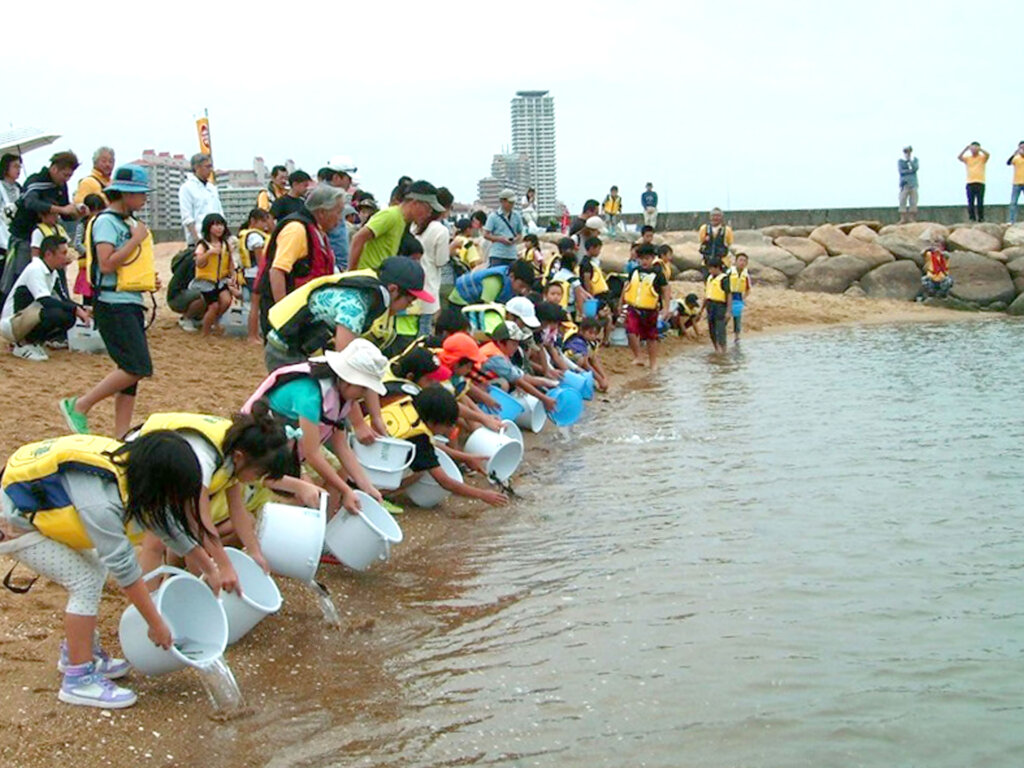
x,y
292,658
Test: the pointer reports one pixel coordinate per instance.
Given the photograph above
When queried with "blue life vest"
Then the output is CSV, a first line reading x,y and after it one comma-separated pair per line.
x,y
471,285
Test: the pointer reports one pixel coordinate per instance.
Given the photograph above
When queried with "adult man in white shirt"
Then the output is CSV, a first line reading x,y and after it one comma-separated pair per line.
x,y
35,311
198,197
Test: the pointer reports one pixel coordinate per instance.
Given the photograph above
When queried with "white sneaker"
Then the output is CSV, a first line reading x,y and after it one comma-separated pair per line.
x,y
31,352
188,325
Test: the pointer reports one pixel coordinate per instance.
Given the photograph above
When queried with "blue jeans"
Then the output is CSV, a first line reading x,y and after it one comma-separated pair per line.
x,y
1014,194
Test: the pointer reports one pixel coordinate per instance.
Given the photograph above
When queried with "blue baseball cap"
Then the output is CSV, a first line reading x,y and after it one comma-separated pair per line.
x,y
129,178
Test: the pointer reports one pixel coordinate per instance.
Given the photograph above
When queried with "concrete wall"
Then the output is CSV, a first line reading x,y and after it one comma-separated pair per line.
x,y
942,214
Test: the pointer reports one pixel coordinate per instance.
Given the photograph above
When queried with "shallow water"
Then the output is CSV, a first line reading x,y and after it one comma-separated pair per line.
x,y
805,553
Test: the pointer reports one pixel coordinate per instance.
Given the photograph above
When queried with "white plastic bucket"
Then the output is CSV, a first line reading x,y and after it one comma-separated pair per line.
x,y
425,492
504,454
260,596
360,540
235,321
292,538
533,416
385,460
512,429
618,338
85,338
194,616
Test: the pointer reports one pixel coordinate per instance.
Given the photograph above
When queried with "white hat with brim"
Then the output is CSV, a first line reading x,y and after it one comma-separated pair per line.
x,y
594,222
522,307
360,363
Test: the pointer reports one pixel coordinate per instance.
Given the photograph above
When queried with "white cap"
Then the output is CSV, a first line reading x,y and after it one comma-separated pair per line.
x,y
342,164
594,222
523,308
359,363
507,194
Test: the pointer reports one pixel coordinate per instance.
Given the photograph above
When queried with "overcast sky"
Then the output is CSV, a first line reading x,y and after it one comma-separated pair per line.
x,y
740,104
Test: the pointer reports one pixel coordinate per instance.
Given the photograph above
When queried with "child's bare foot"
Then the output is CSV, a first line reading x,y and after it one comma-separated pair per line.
x,y
638,361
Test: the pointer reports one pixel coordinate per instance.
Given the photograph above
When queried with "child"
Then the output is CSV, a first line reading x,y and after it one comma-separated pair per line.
x,y
574,295
433,411
466,255
664,260
213,270
82,501
646,235
35,312
496,353
414,370
548,358
936,281
533,255
717,300
591,275
581,347
739,285
95,204
554,293
252,240
646,290
686,315
119,256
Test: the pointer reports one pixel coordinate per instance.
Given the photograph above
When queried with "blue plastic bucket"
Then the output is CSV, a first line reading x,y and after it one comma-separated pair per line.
x,y
575,380
588,385
590,307
508,407
568,406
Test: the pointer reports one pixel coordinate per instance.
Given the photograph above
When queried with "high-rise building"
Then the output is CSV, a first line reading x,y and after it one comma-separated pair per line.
x,y
533,134
508,171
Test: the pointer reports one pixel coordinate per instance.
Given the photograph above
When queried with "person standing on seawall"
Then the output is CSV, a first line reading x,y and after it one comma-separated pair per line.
x,y
908,165
649,204
974,157
1017,161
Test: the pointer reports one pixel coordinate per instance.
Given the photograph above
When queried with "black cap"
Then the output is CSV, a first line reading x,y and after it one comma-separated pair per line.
x,y
549,312
407,274
500,333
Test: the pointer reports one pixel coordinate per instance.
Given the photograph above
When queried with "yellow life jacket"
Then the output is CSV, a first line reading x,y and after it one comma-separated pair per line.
x,y
402,420
739,282
247,259
469,254
217,266
612,205
640,291
714,288
665,267
598,282
137,273
255,495
383,331
291,320
212,428
31,480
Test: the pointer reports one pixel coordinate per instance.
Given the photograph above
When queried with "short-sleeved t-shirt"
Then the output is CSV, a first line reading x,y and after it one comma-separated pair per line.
x,y
1018,170
113,230
500,225
297,399
503,368
975,167
291,246
347,307
426,454
387,226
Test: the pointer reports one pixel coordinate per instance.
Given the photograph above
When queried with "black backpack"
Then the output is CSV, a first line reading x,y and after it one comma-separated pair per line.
x,y
183,270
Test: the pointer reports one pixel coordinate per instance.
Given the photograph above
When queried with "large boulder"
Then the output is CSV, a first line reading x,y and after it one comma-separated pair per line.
x,y
1018,285
691,276
765,275
1013,253
999,256
776,258
747,237
871,254
787,230
1016,308
686,256
680,237
919,230
803,248
864,232
979,279
849,226
903,247
855,292
973,239
1013,236
989,228
831,275
898,280
1016,268
614,256
834,240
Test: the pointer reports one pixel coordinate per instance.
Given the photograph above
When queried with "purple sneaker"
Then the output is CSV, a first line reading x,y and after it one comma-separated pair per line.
x,y
109,666
84,686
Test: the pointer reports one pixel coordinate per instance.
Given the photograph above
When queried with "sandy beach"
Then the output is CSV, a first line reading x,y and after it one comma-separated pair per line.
x,y
294,655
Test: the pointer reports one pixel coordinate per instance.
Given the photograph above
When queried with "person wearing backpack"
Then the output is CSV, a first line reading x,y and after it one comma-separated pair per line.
x,y
119,259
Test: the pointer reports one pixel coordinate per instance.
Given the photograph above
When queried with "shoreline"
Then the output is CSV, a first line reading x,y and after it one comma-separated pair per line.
x,y
293,657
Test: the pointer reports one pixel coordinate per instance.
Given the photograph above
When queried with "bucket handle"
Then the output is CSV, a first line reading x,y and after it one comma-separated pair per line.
x,y
166,569
387,551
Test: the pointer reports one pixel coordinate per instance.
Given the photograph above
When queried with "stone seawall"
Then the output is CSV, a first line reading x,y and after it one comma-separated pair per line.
x,y
865,258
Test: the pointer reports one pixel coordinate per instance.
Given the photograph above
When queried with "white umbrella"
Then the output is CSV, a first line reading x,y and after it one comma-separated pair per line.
x,y
22,140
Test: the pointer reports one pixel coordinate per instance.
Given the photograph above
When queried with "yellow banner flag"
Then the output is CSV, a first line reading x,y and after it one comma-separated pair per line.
x,y
203,129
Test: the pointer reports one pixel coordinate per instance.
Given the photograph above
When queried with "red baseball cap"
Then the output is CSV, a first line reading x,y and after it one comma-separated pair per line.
x,y
458,347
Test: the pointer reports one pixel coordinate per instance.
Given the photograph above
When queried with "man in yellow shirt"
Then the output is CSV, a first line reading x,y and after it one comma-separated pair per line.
x,y
715,238
98,178
278,187
1017,161
974,157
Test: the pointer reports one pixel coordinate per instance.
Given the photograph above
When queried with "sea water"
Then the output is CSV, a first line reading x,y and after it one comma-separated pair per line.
x,y
809,552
